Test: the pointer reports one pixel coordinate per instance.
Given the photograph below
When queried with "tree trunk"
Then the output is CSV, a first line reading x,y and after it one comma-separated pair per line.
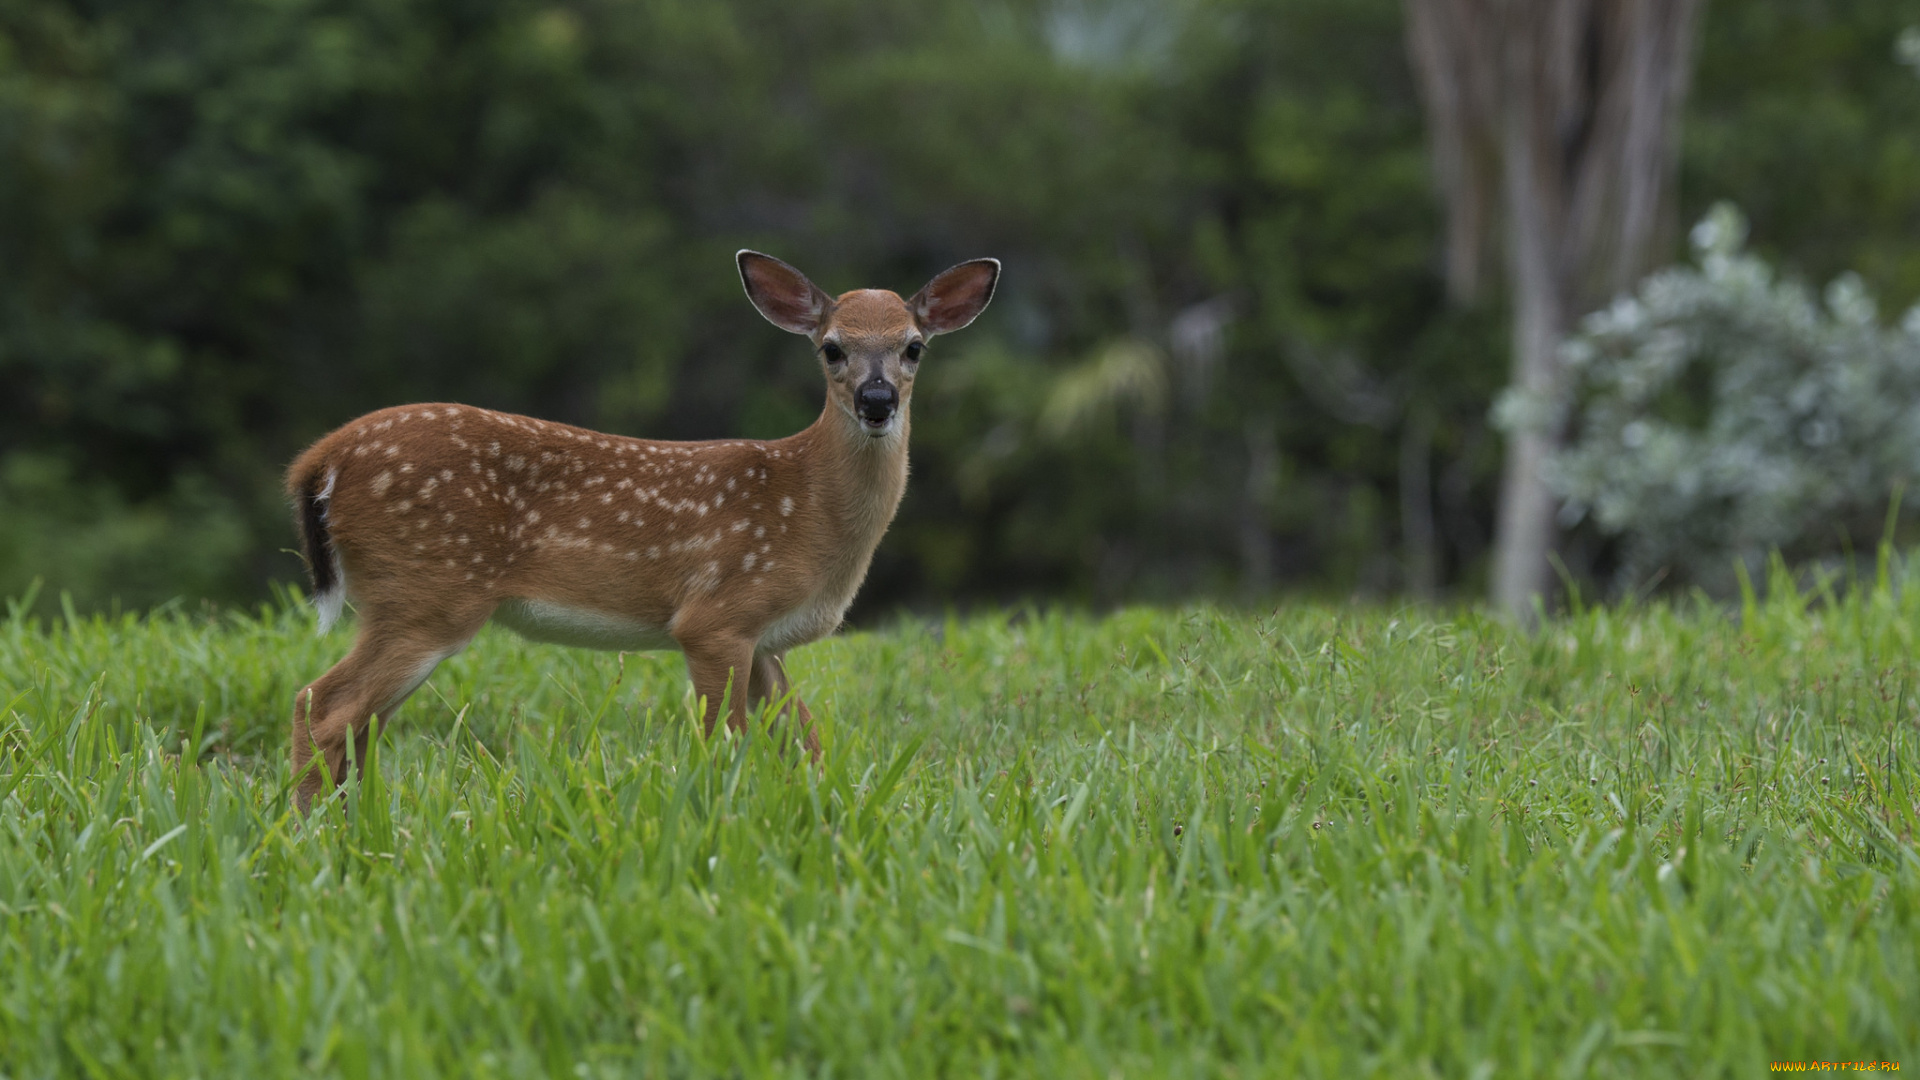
x,y
1417,537
1524,530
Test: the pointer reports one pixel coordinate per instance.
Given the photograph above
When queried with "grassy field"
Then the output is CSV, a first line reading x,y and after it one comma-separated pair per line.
x,y
1321,841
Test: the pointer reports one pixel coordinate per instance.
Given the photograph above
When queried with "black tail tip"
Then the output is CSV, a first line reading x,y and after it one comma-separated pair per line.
x,y
315,543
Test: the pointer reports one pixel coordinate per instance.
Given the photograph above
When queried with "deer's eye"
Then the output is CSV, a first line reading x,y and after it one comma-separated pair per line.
x,y
913,351
832,353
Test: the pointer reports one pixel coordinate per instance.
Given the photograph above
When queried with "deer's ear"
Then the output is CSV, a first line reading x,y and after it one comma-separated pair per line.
x,y
952,300
782,294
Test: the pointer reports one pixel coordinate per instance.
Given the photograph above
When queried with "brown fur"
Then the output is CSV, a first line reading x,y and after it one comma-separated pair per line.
x,y
733,550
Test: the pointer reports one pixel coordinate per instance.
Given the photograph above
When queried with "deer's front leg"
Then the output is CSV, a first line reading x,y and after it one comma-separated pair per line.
x,y
721,666
770,684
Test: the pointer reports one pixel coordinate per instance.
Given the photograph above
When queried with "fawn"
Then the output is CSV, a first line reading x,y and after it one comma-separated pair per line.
x,y
435,518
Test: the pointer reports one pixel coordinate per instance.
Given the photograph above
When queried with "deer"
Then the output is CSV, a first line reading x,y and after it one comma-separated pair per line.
x,y
435,519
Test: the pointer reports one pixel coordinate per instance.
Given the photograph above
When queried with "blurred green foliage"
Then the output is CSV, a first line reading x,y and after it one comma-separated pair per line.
x,y
1221,358
1722,415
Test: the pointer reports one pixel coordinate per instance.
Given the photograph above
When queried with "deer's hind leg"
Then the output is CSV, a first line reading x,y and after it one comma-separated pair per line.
x,y
769,684
390,658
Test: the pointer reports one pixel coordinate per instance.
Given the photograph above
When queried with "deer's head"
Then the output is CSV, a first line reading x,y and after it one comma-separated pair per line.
x,y
869,341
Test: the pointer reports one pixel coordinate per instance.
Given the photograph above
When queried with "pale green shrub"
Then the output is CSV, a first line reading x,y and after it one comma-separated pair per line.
x,y
1721,413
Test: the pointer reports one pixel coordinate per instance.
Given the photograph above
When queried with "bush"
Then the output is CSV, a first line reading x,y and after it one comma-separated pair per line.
x,y
1722,413
88,542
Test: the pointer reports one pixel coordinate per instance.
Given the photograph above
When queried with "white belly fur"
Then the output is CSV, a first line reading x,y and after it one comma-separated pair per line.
x,y
559,624
542,620
811,621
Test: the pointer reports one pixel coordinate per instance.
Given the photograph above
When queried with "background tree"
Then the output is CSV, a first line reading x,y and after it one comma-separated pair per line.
x,y
1223,359
1561,113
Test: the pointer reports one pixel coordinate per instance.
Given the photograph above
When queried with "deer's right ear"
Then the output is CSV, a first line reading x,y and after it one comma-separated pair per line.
x,y
782,294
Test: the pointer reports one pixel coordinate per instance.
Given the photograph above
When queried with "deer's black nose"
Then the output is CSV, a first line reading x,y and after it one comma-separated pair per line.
x,y
876,400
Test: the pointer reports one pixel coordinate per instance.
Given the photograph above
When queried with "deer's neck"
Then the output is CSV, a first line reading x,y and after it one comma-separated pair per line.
x,y
858,480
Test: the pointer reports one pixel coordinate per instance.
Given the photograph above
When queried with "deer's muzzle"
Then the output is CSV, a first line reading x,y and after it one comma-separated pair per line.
x,y
876,402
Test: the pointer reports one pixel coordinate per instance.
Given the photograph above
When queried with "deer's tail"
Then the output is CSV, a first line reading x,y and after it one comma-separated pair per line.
x,y
311,485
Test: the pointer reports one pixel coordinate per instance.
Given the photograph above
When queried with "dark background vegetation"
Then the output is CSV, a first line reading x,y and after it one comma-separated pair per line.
x,y
1221,361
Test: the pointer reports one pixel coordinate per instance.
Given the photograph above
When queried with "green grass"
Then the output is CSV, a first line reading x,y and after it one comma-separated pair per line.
x,y
1321,841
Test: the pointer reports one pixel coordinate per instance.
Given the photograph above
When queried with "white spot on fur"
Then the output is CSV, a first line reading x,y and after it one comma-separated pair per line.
x,y
382,482
707,580
786,505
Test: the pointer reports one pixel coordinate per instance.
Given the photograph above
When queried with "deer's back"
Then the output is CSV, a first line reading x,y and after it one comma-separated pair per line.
x,y
440,501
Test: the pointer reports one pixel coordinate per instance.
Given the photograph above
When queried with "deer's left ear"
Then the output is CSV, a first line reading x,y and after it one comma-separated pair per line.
x,y
952,300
